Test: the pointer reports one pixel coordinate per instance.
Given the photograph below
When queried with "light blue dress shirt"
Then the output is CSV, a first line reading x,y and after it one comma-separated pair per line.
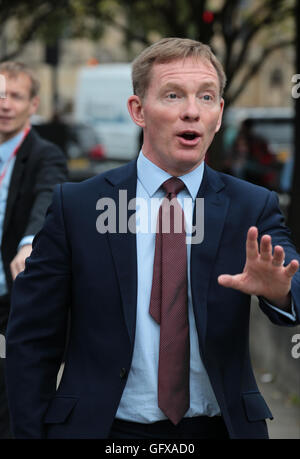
x,y
139,402
6,150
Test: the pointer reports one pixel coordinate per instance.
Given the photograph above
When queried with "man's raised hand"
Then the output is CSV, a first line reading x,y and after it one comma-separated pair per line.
x,y
264,273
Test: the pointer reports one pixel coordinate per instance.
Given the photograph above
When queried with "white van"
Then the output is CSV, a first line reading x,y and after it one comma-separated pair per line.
x,y
101,101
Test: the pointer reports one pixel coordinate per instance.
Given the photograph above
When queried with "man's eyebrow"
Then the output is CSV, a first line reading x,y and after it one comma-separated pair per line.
x,y
16,92
171,85
202,85
208,85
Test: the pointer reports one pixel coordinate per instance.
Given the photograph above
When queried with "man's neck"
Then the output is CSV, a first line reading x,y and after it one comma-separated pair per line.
x,y
6,137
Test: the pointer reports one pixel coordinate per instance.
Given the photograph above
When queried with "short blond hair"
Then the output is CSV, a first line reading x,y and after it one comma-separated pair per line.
x,y
14,69
167,50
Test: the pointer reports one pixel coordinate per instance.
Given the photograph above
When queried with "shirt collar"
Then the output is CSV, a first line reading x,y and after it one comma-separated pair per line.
x,y
152,177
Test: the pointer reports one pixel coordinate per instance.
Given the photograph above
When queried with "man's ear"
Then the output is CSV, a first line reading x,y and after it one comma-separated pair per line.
x,y
34,105
136,111
220,115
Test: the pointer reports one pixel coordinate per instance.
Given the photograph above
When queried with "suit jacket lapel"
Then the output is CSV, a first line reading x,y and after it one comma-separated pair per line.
x,y
16,178
203,255
123,242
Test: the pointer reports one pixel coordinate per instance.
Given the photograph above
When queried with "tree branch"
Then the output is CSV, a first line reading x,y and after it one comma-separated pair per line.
x,y
254,67
33,27
252,26
127,30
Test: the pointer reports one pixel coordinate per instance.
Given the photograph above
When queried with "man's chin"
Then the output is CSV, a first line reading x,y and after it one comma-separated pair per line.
x,y
187,163
6,134
183,168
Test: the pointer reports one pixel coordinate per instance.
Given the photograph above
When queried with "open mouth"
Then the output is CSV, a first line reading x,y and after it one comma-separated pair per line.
x,y
189,137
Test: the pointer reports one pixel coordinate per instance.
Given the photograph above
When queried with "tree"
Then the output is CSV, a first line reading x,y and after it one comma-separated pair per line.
x,y
242,34
232,30
45,20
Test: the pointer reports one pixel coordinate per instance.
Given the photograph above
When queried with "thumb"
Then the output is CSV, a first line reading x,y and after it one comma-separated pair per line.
x,y
226,280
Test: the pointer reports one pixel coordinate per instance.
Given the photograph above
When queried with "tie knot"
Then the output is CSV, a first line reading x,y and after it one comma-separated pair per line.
x,y
173,186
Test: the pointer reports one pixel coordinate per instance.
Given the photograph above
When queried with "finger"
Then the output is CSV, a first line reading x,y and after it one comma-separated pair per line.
x,y
292,268
20,267
266,248
17,266
226,280
278,256
251,243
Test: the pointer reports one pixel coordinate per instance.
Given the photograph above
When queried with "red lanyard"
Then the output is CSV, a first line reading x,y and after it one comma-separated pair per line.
x,y
14,153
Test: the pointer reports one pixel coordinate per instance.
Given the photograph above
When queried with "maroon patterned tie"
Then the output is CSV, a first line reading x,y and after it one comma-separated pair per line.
x,y
168,305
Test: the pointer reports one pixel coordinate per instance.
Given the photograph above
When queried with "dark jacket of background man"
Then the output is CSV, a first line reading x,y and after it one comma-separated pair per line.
x,y
39,166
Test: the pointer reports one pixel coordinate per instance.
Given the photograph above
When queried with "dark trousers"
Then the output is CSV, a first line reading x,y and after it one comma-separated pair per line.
x,y
4,413
201,427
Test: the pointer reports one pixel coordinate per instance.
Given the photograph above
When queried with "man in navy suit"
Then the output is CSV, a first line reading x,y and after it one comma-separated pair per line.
x,y
92,271
29,169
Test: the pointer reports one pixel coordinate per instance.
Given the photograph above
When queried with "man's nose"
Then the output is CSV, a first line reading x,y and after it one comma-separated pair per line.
x,y
191,109
5,103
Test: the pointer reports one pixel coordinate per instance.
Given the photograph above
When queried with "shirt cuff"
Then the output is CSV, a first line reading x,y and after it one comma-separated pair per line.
x,y
25,240
291,316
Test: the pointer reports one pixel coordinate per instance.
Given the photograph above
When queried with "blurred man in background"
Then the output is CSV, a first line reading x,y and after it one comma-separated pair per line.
x,y
29,169
252,159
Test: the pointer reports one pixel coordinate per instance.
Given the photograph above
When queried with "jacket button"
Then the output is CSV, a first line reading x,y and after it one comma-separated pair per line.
x,y
123,373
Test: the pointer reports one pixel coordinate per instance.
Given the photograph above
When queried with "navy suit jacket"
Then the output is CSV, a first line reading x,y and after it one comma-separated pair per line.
x,y
88,279
39,166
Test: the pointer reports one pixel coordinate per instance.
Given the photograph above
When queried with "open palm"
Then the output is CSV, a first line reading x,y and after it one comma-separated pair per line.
x,y
264,273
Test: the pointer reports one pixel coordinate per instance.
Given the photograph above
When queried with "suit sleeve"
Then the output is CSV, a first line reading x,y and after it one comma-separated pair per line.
x,y
52,171
36,331
271,222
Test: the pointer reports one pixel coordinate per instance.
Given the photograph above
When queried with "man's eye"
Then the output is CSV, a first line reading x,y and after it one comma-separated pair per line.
x,y
207,97
172,95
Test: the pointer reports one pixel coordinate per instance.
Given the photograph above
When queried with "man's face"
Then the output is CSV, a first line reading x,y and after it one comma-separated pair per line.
x,y
17,107
180,114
